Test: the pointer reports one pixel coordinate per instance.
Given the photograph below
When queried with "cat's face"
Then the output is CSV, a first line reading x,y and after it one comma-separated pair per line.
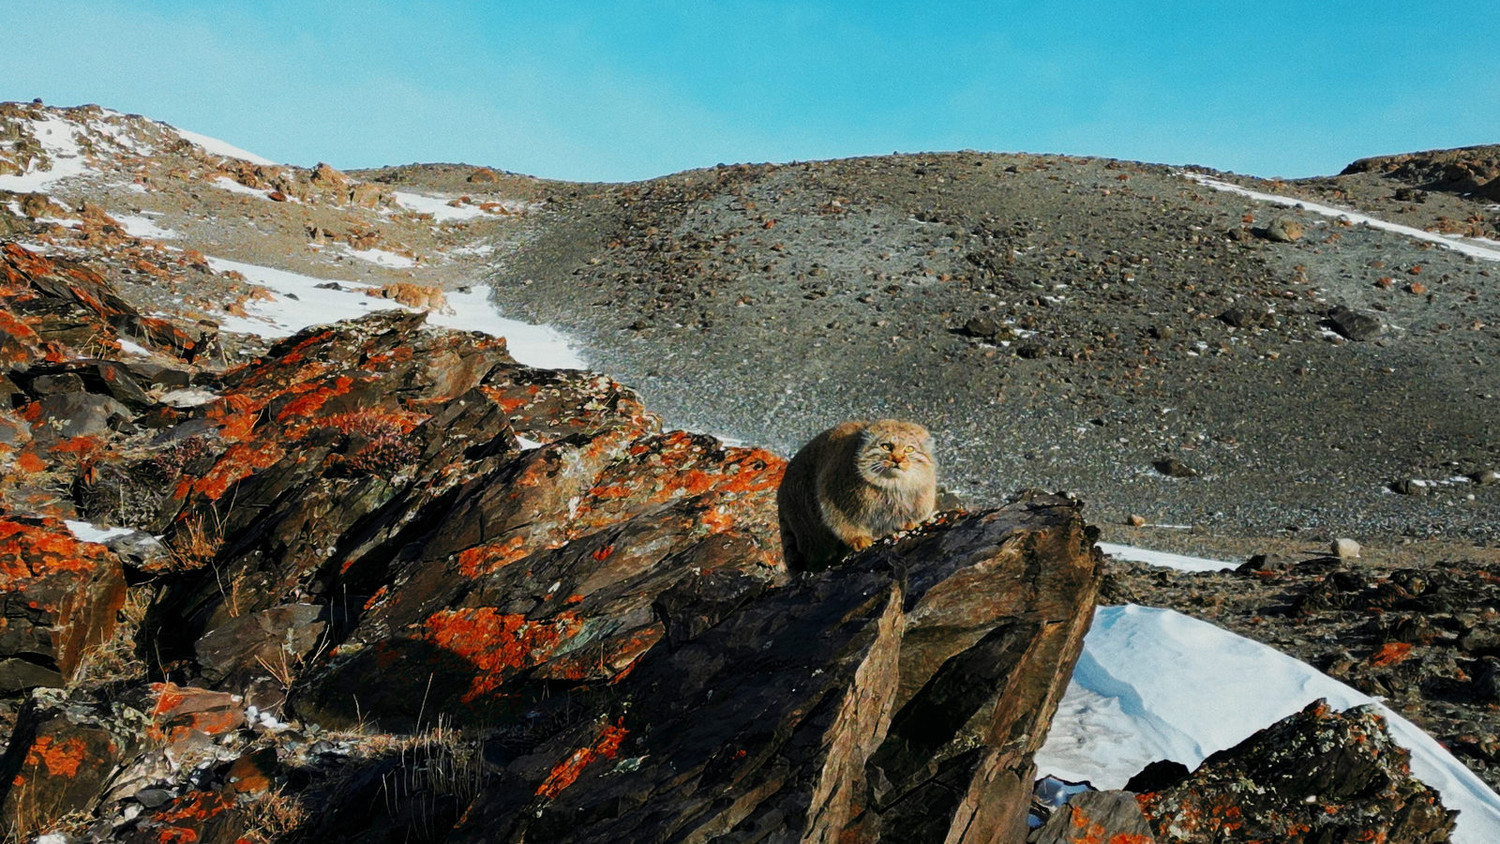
x,y
892,452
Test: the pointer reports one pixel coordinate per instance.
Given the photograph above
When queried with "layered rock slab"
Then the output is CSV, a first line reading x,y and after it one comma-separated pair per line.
x,y
896,698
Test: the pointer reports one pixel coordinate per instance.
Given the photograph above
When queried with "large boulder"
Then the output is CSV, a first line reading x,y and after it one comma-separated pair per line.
x,y
898,697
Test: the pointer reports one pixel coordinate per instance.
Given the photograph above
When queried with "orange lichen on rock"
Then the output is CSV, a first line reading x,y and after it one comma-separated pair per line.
x,y
30,551
29,462
184,817
1390,653
487,559
237,463
181,711
60,759
313,398
497,644
566,772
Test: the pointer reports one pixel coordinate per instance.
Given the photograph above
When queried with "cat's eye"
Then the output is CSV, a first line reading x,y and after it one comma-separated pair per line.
x,y
910,449
888,446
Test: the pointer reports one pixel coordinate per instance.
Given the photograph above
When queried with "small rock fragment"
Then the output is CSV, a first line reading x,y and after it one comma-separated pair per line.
x,y
1174,468
1346,549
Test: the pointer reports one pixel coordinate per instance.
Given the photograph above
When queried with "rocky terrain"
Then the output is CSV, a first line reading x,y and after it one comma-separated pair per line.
x,y
396,567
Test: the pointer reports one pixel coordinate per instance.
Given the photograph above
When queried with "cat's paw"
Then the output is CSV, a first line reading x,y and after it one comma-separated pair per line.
x,y
860,543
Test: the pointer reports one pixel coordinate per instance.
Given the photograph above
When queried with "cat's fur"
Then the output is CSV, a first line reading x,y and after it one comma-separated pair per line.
x,y
851,485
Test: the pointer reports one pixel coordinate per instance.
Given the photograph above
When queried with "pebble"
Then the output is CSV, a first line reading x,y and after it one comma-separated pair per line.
x,y
1346,549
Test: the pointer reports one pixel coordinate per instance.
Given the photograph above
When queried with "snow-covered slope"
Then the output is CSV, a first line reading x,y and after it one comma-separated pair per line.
x,y
1154,684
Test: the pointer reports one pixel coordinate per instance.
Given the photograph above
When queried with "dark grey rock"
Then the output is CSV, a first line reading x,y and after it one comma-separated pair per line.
x,y
1174,468
1355,325
84,414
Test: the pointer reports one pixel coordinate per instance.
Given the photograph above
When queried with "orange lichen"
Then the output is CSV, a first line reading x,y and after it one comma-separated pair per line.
x,y
29,551
313,399
237,463
1391,653
29,462
506,403
487,559
193,808
61,759
498,644
566,772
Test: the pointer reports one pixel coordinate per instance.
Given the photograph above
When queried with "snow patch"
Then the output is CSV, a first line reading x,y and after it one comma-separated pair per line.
x,y
130,348
383,258
226,183
301,303
138,225
188,397
533,345
1155,684
214,146
438,207
85,532
1488,250
56,135
1161,558
477,249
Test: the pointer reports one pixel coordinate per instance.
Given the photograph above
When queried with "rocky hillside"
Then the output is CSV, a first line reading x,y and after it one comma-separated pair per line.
x,y
383,564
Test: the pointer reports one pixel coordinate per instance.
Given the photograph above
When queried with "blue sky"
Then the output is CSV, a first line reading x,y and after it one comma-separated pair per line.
x,y
627,90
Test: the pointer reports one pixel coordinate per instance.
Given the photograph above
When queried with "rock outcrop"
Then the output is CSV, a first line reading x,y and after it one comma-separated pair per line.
x,y
1318,775
376,526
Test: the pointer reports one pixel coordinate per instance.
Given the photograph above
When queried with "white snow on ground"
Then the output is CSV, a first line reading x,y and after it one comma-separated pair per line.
x,y
438,207
235,187
138,225
480,249
215,146
86,532
56,137
1161,558
1486,249
1155,684
300,303
382,258
533,345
